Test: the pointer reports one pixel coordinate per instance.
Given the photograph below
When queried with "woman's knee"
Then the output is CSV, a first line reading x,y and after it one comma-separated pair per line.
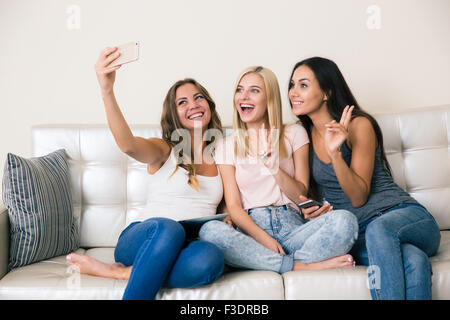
x,y
207,258
210,230
201,262
415,260
162,232
346,225
165,228
378,231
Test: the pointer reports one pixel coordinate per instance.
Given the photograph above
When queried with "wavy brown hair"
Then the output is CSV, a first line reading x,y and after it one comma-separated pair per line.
x,y
170,124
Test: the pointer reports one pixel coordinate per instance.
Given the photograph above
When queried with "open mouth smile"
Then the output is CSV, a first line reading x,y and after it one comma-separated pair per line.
x,y
246,108
196,116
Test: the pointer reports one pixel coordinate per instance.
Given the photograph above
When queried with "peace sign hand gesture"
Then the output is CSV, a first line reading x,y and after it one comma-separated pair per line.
x,y
337,133
267,154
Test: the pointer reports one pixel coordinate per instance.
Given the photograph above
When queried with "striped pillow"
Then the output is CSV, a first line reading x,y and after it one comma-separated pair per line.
x,y
37,194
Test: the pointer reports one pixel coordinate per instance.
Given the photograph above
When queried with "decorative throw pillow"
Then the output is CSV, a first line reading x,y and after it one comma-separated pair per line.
x,y
37,194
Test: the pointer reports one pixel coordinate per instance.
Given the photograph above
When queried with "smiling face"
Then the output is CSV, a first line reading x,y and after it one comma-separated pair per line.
x,y
250,99
192,107
305,94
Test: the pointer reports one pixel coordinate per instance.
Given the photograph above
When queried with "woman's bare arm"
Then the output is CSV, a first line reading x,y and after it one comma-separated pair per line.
x,y
295,186
355,180
144,150
240,218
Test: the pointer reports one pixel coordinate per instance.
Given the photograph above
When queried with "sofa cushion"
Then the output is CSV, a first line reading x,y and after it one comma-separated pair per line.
x,y
417,145
54,279
352,284
37,195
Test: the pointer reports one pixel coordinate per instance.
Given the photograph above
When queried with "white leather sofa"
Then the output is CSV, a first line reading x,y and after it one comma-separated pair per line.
x,y
109,190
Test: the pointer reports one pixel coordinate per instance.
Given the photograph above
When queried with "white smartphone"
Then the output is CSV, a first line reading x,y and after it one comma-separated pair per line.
x,y
128,52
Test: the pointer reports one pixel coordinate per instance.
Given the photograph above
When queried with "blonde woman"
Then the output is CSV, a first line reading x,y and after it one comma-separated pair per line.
x,y
264,168
153,252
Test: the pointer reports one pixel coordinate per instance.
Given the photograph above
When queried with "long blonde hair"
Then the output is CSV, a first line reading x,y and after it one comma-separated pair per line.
x,y
274,115
170,123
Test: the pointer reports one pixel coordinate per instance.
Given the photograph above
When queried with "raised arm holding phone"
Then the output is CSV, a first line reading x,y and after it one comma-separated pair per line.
x,y
153,252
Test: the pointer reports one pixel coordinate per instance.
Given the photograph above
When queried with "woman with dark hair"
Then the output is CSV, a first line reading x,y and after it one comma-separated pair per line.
x,y
349,170
152,252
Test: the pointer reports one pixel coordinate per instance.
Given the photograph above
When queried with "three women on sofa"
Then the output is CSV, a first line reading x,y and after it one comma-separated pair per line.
x,y
153,252
344,148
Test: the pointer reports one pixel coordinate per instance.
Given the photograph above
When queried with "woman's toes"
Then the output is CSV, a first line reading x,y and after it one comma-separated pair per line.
x,y
70,258
349,261
73,258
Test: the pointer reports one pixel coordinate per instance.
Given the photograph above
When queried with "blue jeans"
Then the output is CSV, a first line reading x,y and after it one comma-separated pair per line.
x,y
156,249
327,236
396,244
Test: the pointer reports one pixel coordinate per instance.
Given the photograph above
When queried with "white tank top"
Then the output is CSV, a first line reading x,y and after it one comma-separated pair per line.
x,y
172,197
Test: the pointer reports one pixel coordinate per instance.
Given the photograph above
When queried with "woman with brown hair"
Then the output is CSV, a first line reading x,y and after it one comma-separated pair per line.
x,y
184,184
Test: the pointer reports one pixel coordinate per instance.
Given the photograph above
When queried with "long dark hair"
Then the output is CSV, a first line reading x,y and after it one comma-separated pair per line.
x,y
339,95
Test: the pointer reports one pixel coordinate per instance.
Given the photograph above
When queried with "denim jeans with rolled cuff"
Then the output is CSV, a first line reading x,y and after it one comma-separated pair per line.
x,y
325,237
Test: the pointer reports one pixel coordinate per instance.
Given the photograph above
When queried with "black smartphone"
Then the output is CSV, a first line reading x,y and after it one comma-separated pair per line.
x,y
309,203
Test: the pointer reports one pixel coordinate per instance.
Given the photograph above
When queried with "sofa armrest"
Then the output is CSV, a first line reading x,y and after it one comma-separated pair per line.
x,y
4,240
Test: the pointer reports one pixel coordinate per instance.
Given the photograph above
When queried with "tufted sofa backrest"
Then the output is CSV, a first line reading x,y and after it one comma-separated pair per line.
x,y
109,188
417,145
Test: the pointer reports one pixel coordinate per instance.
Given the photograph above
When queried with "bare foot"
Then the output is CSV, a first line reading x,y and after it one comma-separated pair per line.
x,y
94,267
344,261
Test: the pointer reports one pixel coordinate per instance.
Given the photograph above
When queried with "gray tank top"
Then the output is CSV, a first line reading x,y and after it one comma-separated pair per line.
x,y
384,192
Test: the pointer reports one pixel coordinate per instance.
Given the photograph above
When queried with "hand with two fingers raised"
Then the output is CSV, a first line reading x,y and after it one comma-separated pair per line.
x,y
337,133
267,154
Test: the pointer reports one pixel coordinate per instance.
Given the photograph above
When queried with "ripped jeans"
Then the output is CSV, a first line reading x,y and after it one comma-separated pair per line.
x,y
325,237
396,246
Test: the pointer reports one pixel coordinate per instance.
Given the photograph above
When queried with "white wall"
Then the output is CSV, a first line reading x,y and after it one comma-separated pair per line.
x,y
47,75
